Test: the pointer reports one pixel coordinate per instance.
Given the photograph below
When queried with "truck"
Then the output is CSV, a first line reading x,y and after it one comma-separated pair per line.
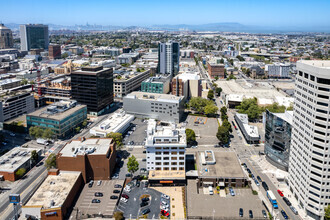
x,y
42,141
272,199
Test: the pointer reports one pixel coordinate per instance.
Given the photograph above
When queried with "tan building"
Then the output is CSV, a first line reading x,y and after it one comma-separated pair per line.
x,y
6,37
95,158
187,84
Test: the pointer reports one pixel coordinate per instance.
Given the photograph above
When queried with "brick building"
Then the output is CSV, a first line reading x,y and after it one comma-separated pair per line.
x,y
54,51
95,158
216,69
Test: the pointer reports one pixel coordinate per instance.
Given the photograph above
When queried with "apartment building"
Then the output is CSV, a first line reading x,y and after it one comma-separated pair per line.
x,y
157,84
168,58
279,70
163,107
126,82
309,165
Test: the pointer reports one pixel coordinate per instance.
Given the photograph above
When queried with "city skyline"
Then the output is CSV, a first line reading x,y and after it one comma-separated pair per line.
x,y
289,16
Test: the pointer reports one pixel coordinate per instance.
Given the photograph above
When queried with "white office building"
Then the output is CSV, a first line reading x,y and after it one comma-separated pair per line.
x,y
278,70
309,163
166,146
168,58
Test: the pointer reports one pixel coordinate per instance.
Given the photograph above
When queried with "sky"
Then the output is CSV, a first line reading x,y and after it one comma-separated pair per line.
x,y
275,13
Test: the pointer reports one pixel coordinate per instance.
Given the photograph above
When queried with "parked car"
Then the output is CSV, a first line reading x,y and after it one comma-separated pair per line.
x,y
118,186
257,183
96,201
240,212
250,214
99,182
264,184
287,201
116,191
248,170
146,211
113,197
123,200
264,213
128,175
90,184
144,159
98,194
284,214
294,210
145,199
143,204
165,196
232,192
164,213
138,184
165,206
211,190
259,179
125,196
163,202
280,192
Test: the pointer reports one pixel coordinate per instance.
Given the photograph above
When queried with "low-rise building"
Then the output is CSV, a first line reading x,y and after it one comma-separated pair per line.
x,y
278,70
9,83
95,158
216,69
55,196
127,58
157,84
61,117
116,123
249,132
163,107
15,103
55,90
127,82
187,85
14,160
166,145
54,51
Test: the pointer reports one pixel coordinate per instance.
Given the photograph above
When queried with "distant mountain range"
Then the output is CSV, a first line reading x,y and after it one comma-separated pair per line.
x,y
215,27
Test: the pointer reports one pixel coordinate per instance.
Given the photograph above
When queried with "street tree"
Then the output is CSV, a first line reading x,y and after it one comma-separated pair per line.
x,y
48,133
36,132
210,109
118,215
226,124
223,135
50,162
327,213
210,94
20,172
132,165
117,138
34,156
84,124
218,90
190,136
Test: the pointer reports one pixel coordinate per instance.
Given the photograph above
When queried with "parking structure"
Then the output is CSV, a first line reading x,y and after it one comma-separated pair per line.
x,y
84,206
132,208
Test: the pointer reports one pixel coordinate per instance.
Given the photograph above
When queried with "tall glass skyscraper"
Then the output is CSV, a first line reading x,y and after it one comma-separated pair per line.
x,y
168,58
34,36
278,138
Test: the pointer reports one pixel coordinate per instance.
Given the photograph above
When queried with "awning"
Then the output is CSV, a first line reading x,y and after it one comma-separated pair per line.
x,y
207,183
221,184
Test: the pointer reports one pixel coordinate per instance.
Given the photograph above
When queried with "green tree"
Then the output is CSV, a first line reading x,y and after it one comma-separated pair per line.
x,y
118,139
223,110
36,132
327,213
250,107
24,81
223,135
65,55
84,124
34,156
138,70
210,94
240,58
198,104
231,76
50,162
210,109
190,136
222,61
20,172
132,165
290,108
218,90
227,125
276,108
118,215
77,129
216,77
48,134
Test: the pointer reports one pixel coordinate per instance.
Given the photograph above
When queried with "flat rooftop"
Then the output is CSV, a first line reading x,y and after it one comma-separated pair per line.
x,y
42,113
15,158
114,123
8,81
54,189
93,146
166,174
226,166
154,96
161,130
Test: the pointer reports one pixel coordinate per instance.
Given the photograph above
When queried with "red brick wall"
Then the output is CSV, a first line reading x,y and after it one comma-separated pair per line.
x,y
216,70
9,176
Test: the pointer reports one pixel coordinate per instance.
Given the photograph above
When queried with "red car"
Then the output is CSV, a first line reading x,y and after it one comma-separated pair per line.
x,y
280,192
164,213
125,196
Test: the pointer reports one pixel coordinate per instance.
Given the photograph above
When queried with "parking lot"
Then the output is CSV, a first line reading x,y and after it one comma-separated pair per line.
x,y
132,209
137,133
205,129
228,207
84,206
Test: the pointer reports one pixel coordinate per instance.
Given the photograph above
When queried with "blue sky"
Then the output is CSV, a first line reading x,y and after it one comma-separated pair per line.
x,y
276,13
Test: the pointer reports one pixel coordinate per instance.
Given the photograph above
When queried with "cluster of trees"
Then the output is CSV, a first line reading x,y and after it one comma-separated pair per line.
x,y
140,70
225,129
240,58
210,94
190,136
118,139
38,132
254,111
50,162
83,125
231,76
203,106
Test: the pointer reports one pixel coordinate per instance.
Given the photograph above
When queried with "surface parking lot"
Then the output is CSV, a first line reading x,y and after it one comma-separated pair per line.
x,y
138,132
215,206
132,209
205,129
106,207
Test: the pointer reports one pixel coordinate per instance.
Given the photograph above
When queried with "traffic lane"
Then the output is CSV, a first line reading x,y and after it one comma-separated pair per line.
x,y
273,188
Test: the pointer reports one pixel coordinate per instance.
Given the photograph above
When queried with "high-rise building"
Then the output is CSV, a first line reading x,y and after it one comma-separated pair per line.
x,y
168,58
54,51
6,37
278,138
93,86
309,166
34,36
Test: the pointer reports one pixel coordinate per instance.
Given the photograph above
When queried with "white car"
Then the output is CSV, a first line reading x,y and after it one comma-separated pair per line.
x,y
164,203
165,196
165,206
122,199
126,189
99,182
165,209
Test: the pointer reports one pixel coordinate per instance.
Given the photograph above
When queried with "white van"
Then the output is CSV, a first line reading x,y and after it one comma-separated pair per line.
x,y
210,190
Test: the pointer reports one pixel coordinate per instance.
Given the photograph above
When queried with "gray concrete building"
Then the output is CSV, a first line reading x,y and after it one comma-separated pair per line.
x,y
163,107
34,36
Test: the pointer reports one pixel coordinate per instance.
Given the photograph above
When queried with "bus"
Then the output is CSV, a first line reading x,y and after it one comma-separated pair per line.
x,y
272,199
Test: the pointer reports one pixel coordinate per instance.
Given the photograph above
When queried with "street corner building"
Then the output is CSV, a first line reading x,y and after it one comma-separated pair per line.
x,y
54,197
95,158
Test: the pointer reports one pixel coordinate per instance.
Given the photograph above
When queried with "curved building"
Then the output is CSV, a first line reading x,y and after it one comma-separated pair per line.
x,y
278,137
